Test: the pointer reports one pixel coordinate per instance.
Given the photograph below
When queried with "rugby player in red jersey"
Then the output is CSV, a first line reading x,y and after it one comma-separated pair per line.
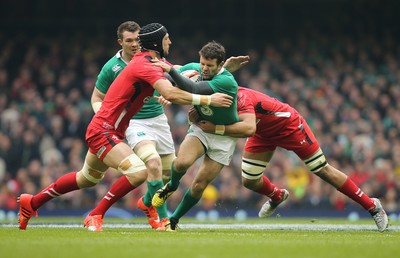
x,y
270,123
106,132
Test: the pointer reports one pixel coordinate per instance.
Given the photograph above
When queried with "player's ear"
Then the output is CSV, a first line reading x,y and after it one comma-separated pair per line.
x,y
221,65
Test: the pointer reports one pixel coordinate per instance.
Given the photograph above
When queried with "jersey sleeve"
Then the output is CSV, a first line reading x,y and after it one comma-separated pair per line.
x,y
224,84
244,104
104,80
150,73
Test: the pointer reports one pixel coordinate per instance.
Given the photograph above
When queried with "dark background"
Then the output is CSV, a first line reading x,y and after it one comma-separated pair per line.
x,y
247,23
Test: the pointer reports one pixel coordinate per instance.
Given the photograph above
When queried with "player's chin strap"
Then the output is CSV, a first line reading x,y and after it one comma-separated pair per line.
x,y
253,169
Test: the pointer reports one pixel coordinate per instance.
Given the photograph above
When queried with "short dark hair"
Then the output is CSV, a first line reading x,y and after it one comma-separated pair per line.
x,y
213,50
130,26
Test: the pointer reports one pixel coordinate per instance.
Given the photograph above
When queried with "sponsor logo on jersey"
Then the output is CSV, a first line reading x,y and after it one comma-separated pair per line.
x,y
116,68
206,110
107,126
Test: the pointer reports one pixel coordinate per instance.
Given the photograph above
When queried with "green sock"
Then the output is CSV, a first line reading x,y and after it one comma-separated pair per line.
x,y
152,187
175,178
185,205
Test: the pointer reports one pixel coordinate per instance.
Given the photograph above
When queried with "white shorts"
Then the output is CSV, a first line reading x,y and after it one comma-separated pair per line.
x,y
219,148
153,129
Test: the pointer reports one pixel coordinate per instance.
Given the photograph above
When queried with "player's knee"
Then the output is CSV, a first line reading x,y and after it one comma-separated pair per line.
x,y
252,170
148,153
182,164
137,178
88,176
316,162
198,188
131,164
154,165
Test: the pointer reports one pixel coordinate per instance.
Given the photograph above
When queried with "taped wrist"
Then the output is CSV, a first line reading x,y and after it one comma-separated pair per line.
x,y
220,129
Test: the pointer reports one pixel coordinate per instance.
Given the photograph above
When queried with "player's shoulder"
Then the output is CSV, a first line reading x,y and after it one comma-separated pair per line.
x,y
190,66
114,64
226,78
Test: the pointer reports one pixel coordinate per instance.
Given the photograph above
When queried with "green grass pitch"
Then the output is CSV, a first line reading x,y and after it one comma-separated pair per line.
x,y
325,238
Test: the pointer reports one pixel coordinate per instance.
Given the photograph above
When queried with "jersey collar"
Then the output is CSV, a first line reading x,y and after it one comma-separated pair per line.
x,y
119,56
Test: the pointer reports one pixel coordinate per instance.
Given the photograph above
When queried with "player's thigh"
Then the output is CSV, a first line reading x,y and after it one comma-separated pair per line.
x,y
190,150
262,156
118,153
95,163
142,143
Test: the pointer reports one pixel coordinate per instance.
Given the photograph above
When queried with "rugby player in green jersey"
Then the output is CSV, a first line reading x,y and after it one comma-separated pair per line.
x,y
216,149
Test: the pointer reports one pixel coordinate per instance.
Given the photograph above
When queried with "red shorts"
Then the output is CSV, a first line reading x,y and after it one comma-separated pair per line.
x,y
101,141
296,136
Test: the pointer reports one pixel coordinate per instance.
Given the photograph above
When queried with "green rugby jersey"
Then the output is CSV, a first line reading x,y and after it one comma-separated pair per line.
x,y
108,74
223,82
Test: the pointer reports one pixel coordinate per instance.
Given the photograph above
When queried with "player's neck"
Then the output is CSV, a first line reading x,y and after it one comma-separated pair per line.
x,y
154,54
127,58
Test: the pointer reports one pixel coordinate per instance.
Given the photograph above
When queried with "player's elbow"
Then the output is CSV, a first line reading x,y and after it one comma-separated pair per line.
x,y
170,97
250,131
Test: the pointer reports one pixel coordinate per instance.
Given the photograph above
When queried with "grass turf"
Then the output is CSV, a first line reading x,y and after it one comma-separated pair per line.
x,y
60,242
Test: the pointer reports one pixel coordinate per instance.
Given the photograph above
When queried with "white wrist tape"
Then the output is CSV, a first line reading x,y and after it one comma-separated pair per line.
x,y
208,100
196,99
220,129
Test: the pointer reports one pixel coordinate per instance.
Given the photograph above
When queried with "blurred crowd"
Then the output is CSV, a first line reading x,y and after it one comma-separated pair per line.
x,y
347,88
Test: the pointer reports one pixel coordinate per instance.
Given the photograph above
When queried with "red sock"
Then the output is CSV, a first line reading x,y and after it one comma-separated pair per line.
x,y
118,190
351,190
65,184
270,190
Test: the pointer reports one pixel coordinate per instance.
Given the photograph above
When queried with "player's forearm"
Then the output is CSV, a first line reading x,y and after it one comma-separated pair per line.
x,y
96,100
246,127
239,130
181,97
184,83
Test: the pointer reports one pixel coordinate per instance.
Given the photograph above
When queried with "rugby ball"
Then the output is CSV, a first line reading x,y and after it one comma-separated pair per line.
x,y
192,75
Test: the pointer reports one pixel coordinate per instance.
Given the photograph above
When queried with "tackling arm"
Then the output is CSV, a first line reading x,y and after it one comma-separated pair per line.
x,y
246,127
178,96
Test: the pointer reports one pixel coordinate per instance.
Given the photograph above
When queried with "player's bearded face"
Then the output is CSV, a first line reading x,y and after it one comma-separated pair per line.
x,y
209,68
